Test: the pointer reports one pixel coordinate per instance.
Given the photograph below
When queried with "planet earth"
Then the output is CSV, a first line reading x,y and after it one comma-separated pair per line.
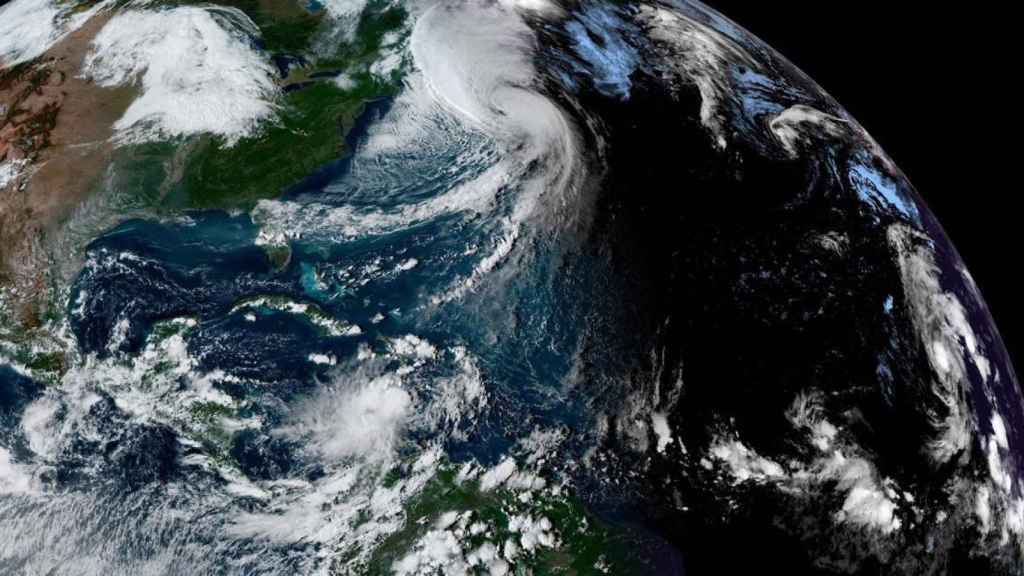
x,y
474,287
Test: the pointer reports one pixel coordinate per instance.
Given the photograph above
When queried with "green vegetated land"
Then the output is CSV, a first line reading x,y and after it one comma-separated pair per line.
x,y
308,132
312,118
585,546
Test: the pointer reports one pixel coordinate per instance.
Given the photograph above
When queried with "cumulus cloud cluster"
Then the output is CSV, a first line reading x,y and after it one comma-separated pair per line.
x,y
198,71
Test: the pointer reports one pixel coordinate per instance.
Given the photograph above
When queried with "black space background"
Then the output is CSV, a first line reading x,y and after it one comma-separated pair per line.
x,y
934,87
